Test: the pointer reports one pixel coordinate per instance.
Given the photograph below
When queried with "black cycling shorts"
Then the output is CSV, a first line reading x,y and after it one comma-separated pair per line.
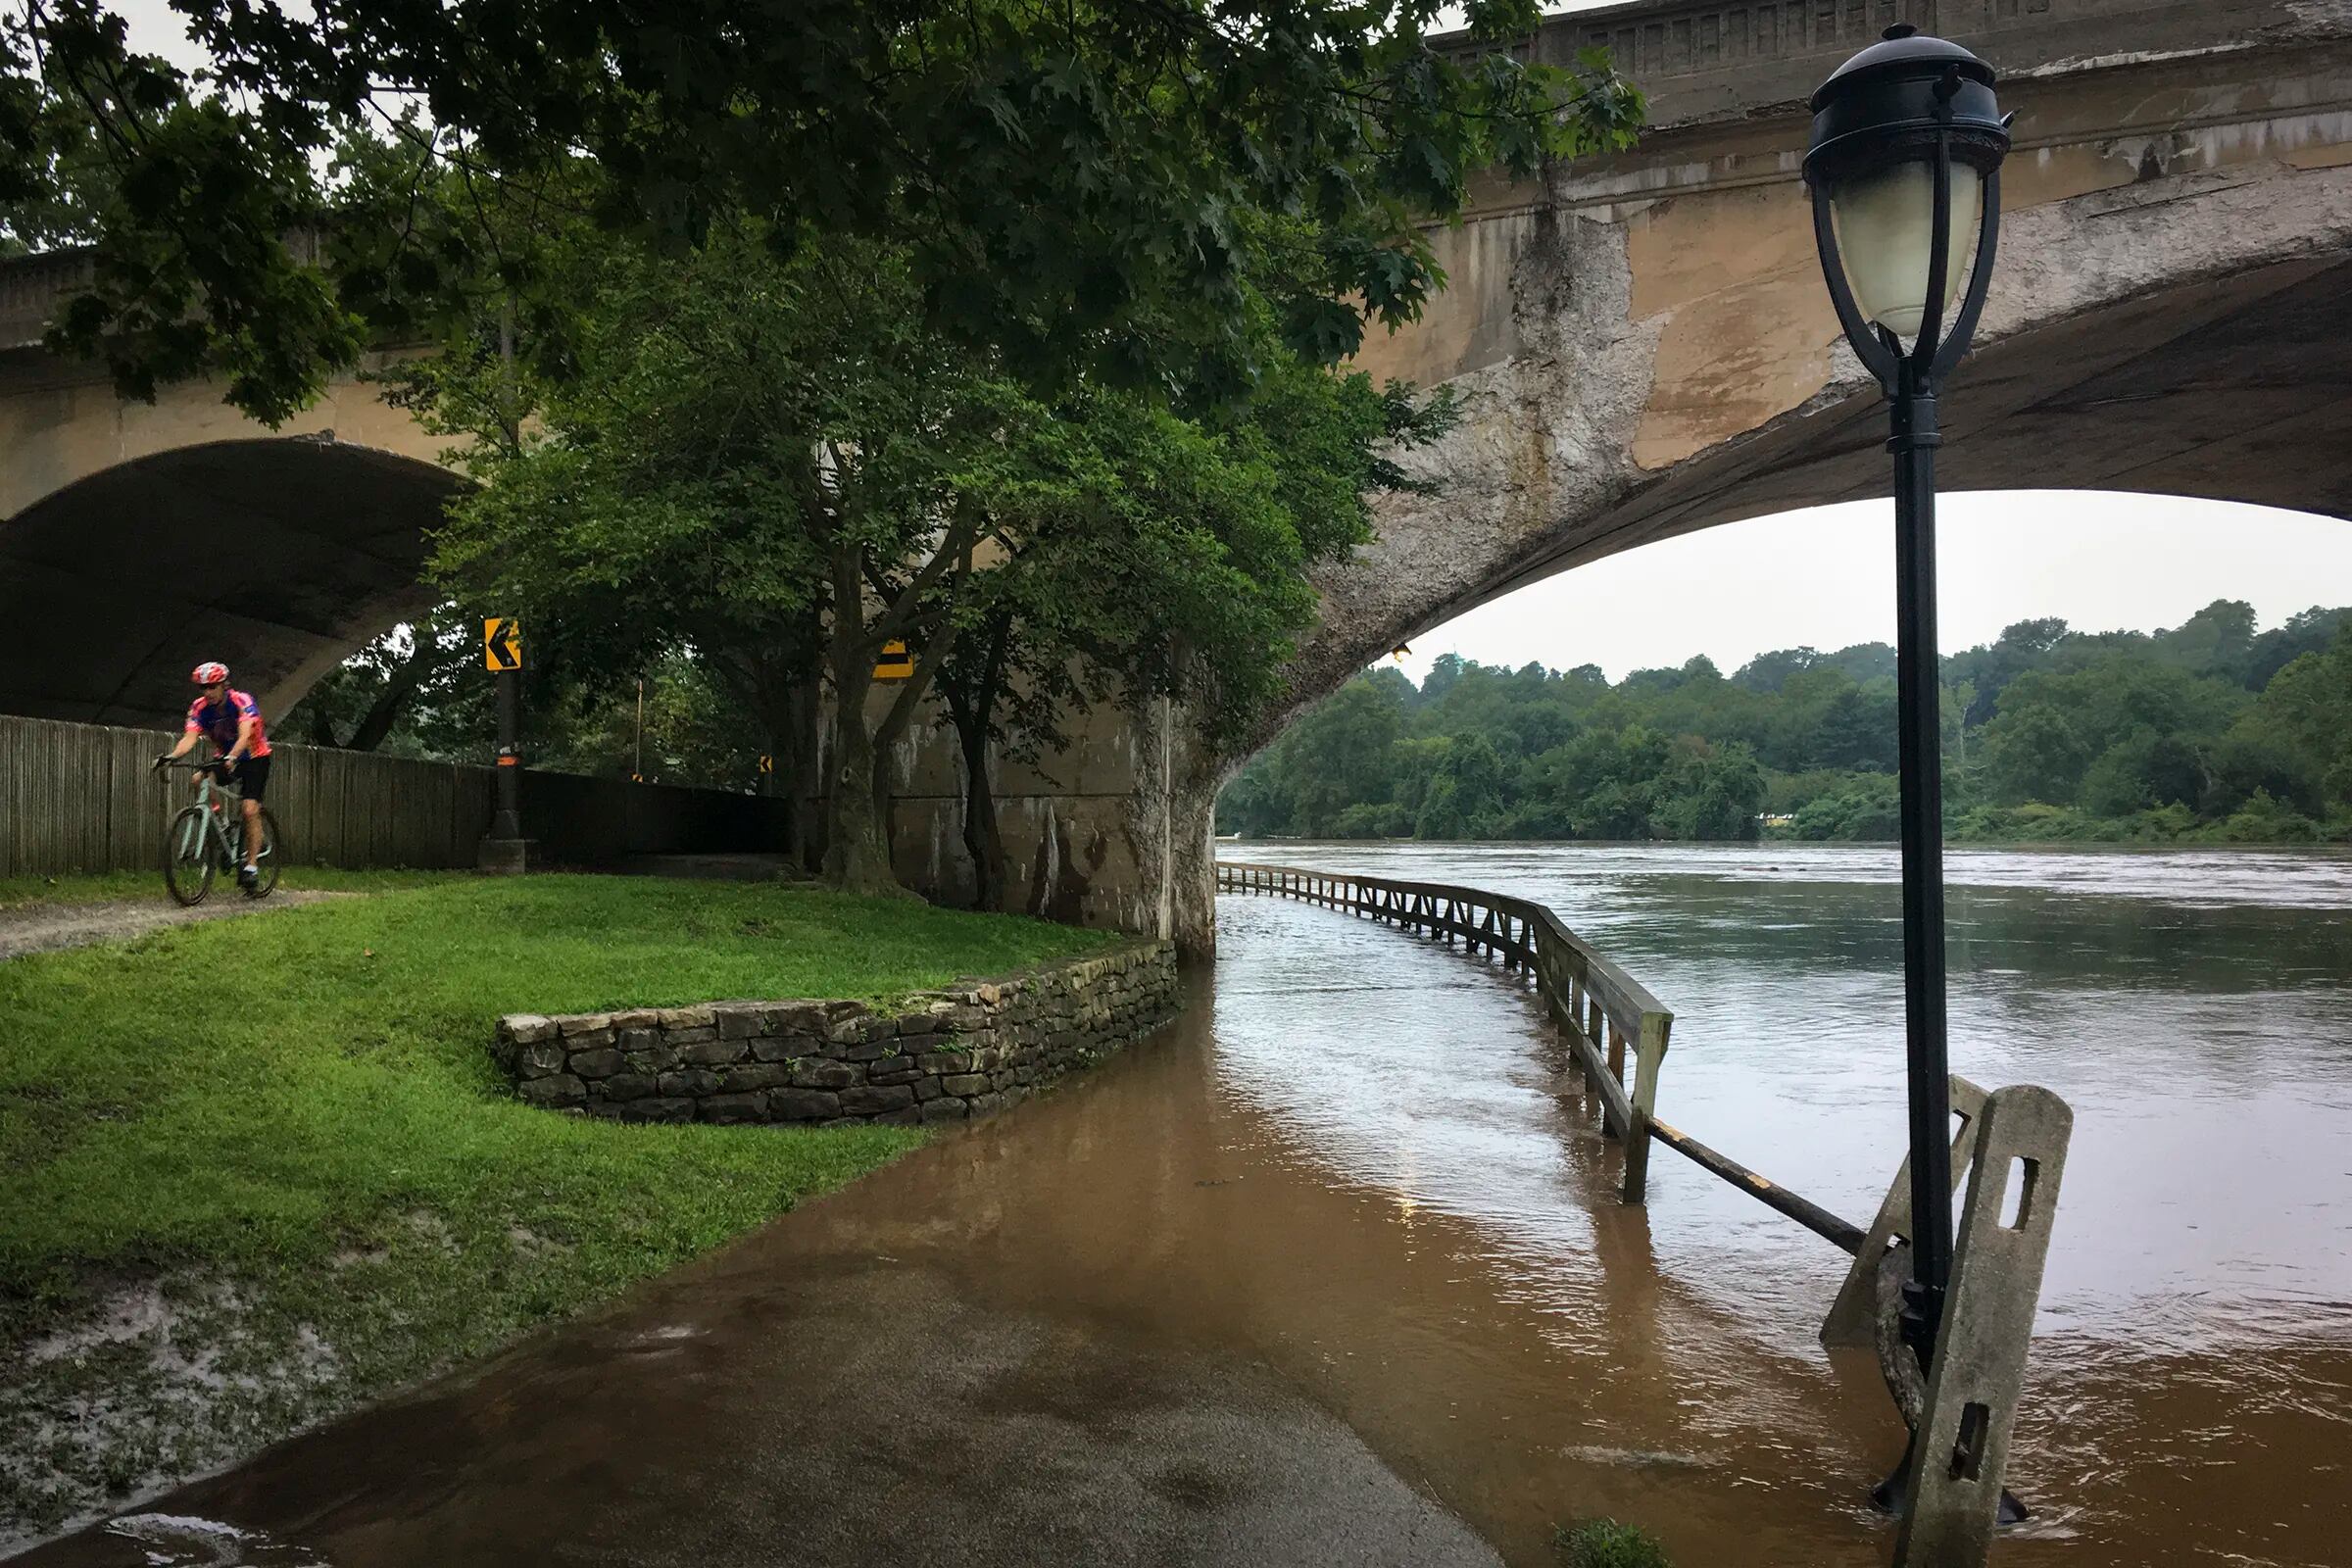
x,y
251,776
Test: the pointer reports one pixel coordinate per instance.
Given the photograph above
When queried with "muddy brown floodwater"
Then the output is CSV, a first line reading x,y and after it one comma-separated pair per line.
x,y
1356,1179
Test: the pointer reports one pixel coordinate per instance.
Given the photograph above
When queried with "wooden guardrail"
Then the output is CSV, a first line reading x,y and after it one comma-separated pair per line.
x,y
1600,1009
1597,1004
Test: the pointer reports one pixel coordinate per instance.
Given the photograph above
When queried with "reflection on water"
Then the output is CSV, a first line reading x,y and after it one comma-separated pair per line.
x,y
1359,1162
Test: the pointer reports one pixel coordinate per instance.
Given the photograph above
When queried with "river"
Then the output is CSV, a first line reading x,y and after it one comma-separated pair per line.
x,y
2190,1390
1354,1178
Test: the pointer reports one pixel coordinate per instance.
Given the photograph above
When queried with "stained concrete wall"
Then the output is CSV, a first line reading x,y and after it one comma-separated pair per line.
x,y
138,538
1709,58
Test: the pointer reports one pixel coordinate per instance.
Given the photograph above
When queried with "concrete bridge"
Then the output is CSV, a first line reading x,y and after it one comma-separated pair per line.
x,y
1641,344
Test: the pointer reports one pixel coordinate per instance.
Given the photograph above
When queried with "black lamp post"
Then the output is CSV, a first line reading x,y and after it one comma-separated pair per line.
x,y
1905,162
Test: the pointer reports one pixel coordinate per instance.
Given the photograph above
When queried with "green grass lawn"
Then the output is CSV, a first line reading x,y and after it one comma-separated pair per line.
x,y
293,1120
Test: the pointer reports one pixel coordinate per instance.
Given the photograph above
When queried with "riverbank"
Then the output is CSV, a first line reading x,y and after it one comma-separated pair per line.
x,y
1141,1322
261,1171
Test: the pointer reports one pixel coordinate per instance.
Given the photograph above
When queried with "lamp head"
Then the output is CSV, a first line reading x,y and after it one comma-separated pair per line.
x,y
1885,105
1880,124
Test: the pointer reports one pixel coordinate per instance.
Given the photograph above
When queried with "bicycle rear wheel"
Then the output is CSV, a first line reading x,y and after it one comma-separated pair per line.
x,y
188,856
266,862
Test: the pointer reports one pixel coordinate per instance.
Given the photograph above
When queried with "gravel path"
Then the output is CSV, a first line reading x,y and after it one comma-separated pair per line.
x,y
41,927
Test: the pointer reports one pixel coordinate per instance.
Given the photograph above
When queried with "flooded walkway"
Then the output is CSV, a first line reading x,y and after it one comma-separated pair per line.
x,y
1331,1272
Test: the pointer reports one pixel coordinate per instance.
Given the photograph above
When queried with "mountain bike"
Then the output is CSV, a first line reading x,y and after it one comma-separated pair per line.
x,y
209,837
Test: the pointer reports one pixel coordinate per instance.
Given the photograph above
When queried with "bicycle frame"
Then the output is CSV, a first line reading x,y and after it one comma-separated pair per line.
x,y
224,813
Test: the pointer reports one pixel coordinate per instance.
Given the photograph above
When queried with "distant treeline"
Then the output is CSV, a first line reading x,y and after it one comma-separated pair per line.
x,y
2210,731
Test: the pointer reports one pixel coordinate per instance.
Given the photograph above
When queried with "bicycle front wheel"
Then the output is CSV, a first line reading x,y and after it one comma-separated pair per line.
x,y
188,856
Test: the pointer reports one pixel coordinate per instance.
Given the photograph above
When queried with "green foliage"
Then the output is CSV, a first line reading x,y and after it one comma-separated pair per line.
x,y
1094,190
750,437
1868,807
1479,752
2118,737
1606,1543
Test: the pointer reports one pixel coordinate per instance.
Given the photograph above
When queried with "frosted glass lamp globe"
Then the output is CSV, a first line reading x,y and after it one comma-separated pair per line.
x,y
1885,222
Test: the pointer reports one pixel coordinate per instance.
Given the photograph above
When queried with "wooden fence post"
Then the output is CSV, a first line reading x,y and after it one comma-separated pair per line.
x,y
1649,1051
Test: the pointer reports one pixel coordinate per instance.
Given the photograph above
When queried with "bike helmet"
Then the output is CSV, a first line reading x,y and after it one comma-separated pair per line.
x,y
207,673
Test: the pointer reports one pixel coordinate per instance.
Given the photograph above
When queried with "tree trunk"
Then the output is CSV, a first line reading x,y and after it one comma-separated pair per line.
x,y
982,837
856,839
857,846
803,781
858,773
394,699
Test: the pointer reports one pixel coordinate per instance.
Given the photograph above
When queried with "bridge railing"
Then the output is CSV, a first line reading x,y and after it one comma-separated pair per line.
x,y
1604,1013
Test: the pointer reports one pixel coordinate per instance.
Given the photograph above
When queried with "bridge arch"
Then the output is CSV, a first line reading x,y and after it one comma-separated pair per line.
x,y
1643,346
277,555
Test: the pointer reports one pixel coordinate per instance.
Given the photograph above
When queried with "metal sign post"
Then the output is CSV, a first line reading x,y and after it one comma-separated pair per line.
x,y
504,849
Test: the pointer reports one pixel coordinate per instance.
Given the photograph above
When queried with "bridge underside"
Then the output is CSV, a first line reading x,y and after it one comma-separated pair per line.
x,y
277,557
2233,390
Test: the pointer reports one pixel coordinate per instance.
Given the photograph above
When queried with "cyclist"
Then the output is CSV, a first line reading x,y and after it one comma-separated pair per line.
x,y
232,721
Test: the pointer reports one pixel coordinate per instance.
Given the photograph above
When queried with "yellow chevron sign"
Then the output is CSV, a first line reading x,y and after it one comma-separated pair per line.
x,y
894,663
502,643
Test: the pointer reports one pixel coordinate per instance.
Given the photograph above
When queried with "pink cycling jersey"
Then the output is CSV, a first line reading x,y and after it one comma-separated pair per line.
x,y
218,722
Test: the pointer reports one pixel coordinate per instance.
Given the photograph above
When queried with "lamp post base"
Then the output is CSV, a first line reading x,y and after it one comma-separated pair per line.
x,y
504,857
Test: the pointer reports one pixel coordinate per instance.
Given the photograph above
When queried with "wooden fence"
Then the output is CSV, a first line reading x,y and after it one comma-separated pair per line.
x,y
82,798
1600,1009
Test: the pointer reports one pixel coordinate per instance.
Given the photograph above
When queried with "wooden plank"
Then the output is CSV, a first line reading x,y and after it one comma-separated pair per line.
x,y
28,804
342,842
1961,1444
1850,1319
293,787
139,801
381,788
1811,1216
88,790
13,773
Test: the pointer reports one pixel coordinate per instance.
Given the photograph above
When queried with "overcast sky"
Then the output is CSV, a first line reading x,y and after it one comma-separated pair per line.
x,y
1825,577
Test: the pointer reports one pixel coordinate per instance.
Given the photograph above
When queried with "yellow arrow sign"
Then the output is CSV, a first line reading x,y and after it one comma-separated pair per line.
x,y
895,663
502,643
767,764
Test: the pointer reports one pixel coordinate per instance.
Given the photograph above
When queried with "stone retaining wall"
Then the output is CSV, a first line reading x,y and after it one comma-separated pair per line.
x,y
962,1051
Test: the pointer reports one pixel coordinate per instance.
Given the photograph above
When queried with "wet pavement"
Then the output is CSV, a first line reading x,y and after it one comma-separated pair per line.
x,y
1333,1272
